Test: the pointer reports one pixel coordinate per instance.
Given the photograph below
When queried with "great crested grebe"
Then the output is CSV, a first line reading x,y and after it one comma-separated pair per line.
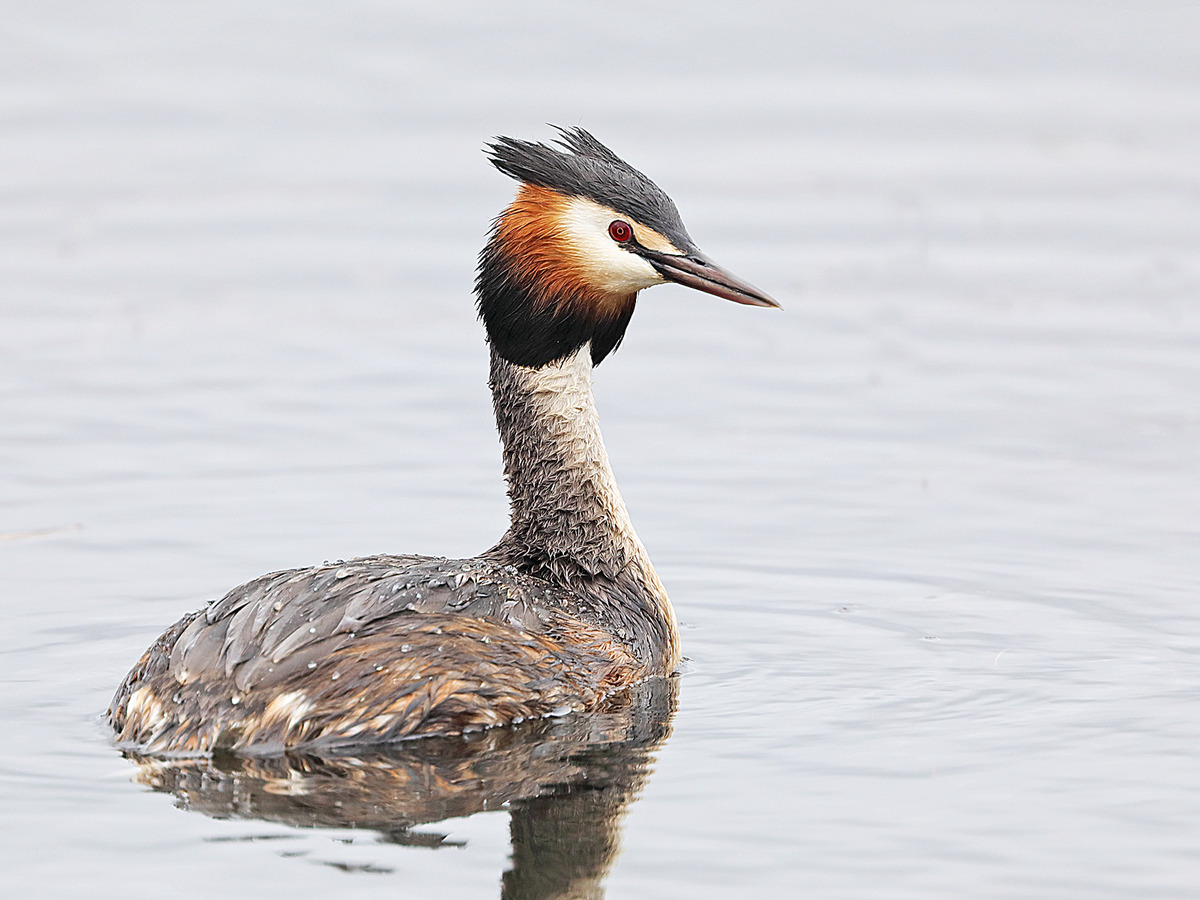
x,y
562,613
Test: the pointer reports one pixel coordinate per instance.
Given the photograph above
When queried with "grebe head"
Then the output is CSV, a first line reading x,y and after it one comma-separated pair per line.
x,y
586,232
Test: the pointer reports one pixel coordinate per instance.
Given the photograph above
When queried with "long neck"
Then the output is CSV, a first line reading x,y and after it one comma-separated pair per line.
x,y
569,523
567,513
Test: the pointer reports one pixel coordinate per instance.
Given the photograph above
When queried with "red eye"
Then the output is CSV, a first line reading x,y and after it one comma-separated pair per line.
x,y
620,232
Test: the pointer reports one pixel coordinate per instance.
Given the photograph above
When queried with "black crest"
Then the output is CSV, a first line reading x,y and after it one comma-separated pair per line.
x,y
589,169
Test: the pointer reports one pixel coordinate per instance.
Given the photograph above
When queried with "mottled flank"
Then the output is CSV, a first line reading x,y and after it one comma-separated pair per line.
x,y
366,651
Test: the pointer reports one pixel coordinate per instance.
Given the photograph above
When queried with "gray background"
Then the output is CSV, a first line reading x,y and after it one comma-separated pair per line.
x,y
931,531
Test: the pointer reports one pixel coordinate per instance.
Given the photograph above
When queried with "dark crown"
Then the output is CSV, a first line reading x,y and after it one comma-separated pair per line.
x,y
589,169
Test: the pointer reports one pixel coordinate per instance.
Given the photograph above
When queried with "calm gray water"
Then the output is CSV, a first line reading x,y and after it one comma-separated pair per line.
x,y
932,532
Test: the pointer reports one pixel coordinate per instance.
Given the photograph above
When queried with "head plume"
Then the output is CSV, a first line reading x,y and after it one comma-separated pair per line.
x,y
584,167
532,297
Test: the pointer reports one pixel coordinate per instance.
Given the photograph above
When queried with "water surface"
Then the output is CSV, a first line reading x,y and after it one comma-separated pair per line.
x,y
931,532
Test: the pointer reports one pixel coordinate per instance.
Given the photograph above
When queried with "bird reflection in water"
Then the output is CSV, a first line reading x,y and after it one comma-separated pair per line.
x,y
566,782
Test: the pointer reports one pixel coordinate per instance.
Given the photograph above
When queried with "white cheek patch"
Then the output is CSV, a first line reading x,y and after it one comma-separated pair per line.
x,y
606,265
